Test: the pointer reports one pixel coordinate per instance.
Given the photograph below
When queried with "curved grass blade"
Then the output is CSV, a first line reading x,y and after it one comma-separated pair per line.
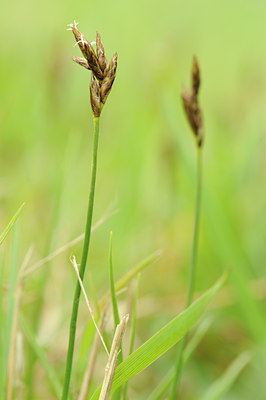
x,y
163,386
11,295
51,373
133,328
163,340
2,333
112,286
115,307
121,283
224,382
11,223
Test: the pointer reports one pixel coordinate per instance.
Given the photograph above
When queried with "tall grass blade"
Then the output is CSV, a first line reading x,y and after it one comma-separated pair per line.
x,y
112,285
133,328
163,386
11,223
40,354
2,331
223,384
121,283
12,278
163,340
115,308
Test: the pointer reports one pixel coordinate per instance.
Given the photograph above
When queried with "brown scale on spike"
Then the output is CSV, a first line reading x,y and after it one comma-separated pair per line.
x,y
100,53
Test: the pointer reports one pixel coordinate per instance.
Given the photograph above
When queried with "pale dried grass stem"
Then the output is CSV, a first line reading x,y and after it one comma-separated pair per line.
x,y
112,361
75,265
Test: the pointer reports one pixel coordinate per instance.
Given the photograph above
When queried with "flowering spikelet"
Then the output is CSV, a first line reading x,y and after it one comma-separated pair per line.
x,y
103,76
109,79
100,53
191,105
95,96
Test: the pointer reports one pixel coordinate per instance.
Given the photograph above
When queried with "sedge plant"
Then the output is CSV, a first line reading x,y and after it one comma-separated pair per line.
x,y
194,116
102,79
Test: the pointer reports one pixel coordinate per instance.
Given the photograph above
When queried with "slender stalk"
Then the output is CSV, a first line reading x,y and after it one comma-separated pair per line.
x,y
133,328
192,271
73,322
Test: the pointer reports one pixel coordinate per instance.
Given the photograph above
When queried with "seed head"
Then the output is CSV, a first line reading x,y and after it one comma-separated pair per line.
x,y
100,53
109,79
191,105
103,76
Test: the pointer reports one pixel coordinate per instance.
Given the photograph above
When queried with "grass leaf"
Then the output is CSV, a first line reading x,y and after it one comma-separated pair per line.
x,y
12,279
112,284
51,373
224,382
131,274
2,333
115,307
133,327
11,223
165,383
163,340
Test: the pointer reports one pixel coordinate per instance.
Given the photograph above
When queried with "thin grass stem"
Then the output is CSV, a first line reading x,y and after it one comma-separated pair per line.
x,y
117,394
133,328
192,272
73,322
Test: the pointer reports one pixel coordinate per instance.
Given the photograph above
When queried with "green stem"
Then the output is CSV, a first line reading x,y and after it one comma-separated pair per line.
x,y
74,315
192,272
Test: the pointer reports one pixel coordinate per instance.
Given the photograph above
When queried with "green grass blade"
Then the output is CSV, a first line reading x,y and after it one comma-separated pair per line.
x,y
197,337
223,384
118,286
134,317
132,273
11,223
2,333
163,340
112,285
163,386
138,268
40,354
12,279
133,328
115,307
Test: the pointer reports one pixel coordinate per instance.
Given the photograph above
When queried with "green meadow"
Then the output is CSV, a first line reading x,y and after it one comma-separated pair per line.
x,y
145,194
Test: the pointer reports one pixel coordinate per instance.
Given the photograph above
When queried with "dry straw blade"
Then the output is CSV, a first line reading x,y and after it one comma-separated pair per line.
x,y
163,340
112,361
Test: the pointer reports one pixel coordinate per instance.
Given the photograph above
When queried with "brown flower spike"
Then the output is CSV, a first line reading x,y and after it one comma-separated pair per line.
x,y
103,76
191,105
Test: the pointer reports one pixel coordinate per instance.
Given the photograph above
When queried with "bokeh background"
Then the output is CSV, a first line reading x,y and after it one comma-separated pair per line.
x,y
147,169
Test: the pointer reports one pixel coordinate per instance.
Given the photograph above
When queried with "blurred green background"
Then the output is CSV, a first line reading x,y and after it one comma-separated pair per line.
x,y
147,167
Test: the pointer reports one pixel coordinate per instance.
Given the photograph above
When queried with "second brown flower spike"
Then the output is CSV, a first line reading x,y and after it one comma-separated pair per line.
x,y
191,104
